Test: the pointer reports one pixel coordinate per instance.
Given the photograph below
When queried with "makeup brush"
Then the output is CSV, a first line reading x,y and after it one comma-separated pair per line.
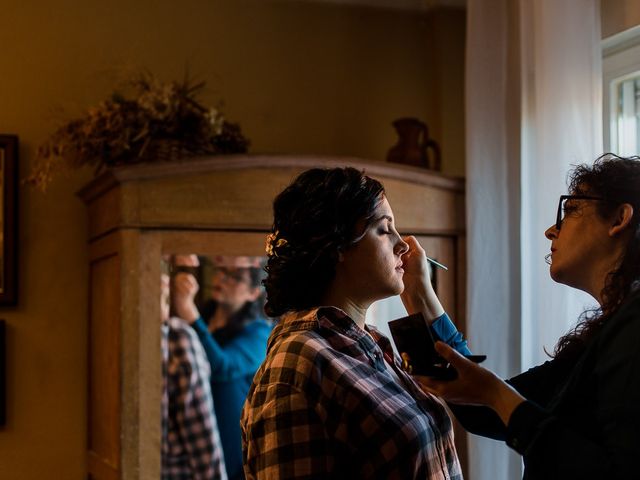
x,y
437,264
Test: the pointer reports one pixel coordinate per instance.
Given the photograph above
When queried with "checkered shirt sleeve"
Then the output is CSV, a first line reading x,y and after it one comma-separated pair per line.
x,y
287,440
192,447
324,405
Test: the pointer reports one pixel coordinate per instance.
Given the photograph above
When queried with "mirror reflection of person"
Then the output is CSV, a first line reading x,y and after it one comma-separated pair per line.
x,y
234,332
331,399
577,416
191,445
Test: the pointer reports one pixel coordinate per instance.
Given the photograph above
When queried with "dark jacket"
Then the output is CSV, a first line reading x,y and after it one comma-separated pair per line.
x,y
582,417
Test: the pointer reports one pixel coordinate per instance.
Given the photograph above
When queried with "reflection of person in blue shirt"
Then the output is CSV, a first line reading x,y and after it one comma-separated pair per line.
x,y
234,333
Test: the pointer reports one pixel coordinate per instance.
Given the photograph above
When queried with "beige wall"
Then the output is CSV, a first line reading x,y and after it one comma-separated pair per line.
x,y
449,31
301,78
619,15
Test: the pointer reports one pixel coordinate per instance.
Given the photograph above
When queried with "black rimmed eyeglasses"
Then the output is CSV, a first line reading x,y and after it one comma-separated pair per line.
x,y
561,206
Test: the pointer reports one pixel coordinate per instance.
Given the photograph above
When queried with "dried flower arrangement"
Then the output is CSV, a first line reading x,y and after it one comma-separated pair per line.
x,y
163,121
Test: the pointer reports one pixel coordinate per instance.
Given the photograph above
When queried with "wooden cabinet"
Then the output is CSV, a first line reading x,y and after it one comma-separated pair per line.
x,y
218,205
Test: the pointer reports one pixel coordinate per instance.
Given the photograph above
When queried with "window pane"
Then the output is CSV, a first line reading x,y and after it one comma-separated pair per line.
x,y
626,122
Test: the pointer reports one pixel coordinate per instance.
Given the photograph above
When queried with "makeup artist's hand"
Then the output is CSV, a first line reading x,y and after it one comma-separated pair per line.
x,y
418,294
415,264
474,385
185,287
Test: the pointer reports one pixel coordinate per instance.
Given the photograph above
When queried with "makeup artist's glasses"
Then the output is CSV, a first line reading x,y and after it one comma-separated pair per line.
x,y
234,274
564,209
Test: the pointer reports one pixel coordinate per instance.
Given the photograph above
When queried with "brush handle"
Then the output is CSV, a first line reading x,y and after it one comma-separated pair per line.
x,y
437,264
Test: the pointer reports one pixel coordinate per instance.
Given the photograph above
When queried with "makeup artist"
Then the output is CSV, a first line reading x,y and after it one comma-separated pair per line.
x,y
577,416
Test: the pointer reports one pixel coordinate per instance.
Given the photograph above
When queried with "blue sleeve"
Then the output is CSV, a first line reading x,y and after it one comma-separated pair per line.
x,y
444,329
240,357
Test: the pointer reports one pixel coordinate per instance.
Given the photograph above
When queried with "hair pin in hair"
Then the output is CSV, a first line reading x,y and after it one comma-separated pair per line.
x,y
272,243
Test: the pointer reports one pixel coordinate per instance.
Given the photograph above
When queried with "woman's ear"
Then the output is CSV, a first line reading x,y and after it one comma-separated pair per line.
x,y
621,219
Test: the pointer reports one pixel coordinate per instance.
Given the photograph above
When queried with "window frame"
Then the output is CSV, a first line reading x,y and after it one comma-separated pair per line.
x,y
620,60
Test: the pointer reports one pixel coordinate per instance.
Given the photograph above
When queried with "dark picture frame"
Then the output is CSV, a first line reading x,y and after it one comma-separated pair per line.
x,y
9,220
3,380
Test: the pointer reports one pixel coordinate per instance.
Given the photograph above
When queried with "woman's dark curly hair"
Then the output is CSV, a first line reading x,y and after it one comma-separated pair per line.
x,y
322,213
616,180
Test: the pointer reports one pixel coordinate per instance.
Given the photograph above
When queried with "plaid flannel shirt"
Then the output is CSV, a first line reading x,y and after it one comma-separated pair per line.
x,y
325,405
191,447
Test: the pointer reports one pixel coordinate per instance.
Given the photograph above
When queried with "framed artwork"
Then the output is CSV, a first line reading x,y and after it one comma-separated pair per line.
x,y
8,219
3,384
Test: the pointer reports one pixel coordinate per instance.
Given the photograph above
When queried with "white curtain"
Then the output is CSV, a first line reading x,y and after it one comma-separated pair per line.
x,y
533,106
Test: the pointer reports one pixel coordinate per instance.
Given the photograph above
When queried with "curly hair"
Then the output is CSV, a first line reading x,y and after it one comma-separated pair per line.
x,y
319,215
616,180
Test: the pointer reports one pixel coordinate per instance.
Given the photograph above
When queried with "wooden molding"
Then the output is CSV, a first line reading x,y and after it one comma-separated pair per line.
x,y
148,171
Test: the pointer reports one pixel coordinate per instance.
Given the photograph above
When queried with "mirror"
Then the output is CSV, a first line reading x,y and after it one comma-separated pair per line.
x,y
214,339
214,327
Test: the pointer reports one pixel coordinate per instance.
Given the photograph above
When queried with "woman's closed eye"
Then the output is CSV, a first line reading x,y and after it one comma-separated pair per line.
x,y
388,230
